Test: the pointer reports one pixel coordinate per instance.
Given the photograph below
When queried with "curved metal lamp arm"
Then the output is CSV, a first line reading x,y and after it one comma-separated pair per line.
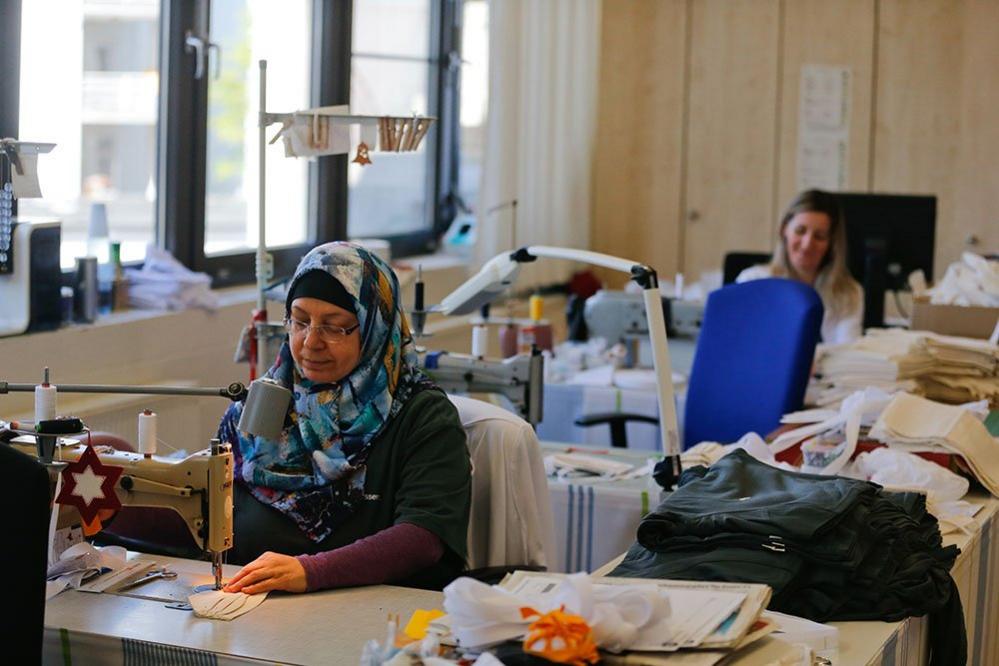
x,y
500,272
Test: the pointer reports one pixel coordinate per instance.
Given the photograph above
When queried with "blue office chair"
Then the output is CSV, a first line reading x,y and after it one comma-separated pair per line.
x,y
753,358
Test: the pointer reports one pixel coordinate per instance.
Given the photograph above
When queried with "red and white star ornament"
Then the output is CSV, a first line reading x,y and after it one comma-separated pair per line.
x,y
88,484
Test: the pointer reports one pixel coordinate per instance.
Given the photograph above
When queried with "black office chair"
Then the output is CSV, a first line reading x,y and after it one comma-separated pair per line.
x,y
618,422
736,262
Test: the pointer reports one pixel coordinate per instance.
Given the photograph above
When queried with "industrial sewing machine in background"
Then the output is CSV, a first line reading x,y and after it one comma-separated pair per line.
x,y
519,378
619,317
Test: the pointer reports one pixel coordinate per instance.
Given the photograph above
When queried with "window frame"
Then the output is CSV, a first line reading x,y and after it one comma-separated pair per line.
x,y
10,69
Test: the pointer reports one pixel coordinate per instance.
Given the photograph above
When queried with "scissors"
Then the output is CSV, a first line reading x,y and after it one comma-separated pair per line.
x,y
159,573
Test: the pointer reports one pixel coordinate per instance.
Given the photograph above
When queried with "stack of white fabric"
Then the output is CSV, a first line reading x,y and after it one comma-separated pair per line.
x,y
163,283
940,367
914,424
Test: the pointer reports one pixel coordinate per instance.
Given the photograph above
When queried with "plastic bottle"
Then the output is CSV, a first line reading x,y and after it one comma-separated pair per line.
x,y
119,284
99,245
539,331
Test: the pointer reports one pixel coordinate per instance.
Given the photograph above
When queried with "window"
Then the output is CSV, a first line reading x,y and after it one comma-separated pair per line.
x,y
246,31
391,70
154,104
96,97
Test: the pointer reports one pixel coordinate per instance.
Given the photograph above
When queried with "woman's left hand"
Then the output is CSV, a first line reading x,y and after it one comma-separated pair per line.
x,y
270,571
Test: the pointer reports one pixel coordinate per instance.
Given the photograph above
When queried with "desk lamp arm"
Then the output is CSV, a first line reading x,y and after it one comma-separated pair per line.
x,y
500,272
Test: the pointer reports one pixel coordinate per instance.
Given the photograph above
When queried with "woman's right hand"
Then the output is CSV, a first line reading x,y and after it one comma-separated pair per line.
x,y
270,571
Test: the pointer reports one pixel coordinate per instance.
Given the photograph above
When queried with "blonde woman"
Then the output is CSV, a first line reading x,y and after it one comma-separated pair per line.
x,y
811,248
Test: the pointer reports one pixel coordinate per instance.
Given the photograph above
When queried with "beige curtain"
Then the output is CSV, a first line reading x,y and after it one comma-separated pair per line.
x,y
543,67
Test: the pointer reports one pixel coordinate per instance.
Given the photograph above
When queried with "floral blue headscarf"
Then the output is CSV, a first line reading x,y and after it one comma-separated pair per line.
x,y
315,471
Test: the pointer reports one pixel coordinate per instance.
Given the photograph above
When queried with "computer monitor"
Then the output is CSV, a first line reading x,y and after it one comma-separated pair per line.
x,y
888,236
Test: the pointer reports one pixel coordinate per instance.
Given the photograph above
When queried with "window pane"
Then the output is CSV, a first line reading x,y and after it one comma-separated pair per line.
x,y
96,97
392,27
390,87
247,31
389,196
474,98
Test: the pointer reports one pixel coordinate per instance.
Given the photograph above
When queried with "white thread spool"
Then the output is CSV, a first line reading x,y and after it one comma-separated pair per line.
x,y
147,433
480,341
45,402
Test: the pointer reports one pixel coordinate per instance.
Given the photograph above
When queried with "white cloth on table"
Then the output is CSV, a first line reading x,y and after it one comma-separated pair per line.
x,y
913,423
511,518
219,605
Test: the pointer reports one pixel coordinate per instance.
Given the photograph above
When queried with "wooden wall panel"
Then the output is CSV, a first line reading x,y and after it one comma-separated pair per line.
x,y
819,32
918,93
636,171
698,112
975,208
732,130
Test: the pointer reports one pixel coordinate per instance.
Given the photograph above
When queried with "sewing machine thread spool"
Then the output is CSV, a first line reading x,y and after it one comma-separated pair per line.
x,y
508,336
45,400
265,408
480,340
147,433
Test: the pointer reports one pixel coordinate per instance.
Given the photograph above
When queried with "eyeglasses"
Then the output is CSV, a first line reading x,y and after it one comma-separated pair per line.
x,y
333,334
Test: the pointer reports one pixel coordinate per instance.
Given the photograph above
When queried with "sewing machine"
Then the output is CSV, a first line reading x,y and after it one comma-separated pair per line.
x,y
520,378
199,488
619,316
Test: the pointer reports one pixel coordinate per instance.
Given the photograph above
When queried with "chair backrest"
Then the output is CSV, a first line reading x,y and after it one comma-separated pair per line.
x,y
736,262
511,519
753,359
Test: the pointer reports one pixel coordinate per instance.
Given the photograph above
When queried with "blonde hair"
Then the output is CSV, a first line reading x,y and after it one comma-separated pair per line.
x,y
837,288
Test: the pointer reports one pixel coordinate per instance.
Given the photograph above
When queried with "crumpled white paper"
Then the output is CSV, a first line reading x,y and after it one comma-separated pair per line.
x,y
81,561
896,469
482,615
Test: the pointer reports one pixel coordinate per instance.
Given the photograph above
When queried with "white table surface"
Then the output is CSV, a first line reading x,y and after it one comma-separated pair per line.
x,y
328,627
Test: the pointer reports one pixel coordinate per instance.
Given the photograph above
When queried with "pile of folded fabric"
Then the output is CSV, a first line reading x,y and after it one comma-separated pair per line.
x,y
831,548
940,367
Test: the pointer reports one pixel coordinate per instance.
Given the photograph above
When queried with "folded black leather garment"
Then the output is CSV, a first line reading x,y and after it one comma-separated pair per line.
x,y
831,548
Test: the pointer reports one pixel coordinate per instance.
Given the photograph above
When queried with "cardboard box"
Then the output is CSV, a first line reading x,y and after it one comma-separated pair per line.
x,y
966,321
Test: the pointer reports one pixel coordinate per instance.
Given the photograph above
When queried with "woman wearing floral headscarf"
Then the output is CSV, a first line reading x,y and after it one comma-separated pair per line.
x,y
369,481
